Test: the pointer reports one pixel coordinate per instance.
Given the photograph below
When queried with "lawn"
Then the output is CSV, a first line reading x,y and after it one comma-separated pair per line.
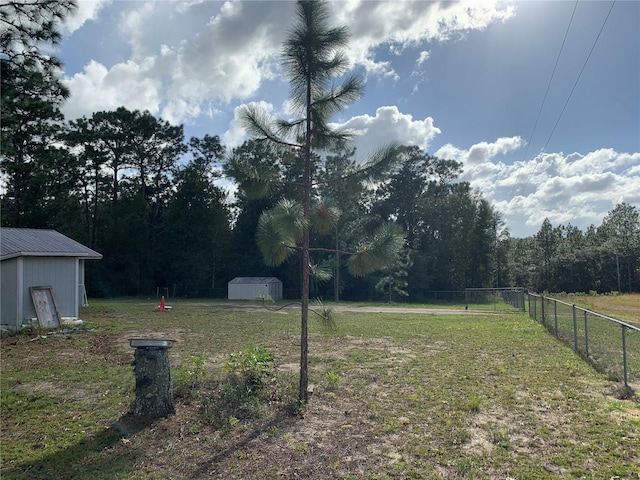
x,y
397,395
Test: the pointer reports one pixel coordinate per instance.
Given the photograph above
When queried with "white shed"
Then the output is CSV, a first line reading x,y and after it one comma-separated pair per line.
x,y
32,258
250,288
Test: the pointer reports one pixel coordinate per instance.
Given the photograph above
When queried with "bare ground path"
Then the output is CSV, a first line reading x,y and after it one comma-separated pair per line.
x,y
255,306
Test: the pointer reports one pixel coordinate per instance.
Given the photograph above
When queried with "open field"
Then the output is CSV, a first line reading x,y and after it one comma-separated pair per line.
x,y
397,395
624,306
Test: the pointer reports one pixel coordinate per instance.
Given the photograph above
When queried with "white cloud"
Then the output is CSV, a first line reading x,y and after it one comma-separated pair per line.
x,y
178,110
479,167
410,23
388,125
424,56
86,11
198,51
603,159
574,188
480,152
577,189
133,26
174,66
96,88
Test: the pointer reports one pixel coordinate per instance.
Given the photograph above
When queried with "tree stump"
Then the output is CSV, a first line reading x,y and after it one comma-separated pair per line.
x,y
154,398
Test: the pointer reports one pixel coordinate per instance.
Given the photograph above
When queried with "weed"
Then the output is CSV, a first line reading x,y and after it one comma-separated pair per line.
x,y
249,386
473,404
500,437
300,447
190,376
333,379
233,422
271,472
252,365
614,407
326,315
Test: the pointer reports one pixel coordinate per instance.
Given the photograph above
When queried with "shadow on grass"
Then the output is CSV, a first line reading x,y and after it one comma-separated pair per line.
x,y
282,422
96,457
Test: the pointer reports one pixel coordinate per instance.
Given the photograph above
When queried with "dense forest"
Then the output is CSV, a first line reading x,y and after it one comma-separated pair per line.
x,y
178,214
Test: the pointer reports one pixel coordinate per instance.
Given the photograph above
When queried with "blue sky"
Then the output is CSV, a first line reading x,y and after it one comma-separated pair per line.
x,y
462,80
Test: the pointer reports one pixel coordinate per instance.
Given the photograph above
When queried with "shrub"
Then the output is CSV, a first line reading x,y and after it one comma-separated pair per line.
x,y
241,393
252,367
190,376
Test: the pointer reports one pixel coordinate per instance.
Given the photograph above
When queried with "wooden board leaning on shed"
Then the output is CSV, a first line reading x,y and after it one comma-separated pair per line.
x,y
45,305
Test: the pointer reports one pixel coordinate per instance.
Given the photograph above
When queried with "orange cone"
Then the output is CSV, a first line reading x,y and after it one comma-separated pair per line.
x,y
162,304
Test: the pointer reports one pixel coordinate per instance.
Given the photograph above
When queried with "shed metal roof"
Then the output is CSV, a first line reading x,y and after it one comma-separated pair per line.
x,y
255,280
31,242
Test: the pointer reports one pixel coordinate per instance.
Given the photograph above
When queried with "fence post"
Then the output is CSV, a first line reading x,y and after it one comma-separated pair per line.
x,y
529,302
535,308
624,355
575,328
555,317
586,335
544,321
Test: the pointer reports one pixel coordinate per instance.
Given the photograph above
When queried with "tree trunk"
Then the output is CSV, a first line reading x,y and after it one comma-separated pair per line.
x,y
305,269
336,277
154,398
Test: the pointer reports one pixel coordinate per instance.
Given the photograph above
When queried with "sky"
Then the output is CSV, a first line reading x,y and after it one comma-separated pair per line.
x,y
539,101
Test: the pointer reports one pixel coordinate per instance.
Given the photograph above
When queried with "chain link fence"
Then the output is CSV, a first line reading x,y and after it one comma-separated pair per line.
x,y
610,345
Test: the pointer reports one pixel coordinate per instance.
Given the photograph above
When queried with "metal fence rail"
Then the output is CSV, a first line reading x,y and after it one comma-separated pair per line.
x,y
513,296
609,344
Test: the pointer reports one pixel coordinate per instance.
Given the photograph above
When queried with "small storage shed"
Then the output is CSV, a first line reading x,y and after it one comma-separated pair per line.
x,y
35,258
250,288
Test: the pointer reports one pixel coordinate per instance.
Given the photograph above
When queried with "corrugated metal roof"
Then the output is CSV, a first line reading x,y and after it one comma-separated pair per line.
x,y
31,242
253,280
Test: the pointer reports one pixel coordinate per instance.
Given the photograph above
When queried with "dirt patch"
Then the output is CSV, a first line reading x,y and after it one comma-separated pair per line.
x,y
424,311
57,390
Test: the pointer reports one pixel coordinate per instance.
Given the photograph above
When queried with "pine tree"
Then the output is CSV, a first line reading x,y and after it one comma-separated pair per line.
x,y
313,58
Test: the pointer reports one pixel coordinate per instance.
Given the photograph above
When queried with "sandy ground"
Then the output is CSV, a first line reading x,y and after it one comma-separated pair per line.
x,y
255,306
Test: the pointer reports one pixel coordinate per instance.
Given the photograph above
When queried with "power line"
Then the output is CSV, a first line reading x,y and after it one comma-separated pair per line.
x,y
566,33
579,75
574,86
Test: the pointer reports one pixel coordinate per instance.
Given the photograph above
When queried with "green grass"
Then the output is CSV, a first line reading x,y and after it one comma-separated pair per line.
x,y
397,395
596,338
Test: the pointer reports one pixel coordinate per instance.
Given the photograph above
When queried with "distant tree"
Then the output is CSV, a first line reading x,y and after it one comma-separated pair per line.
x,y
482,245
30,126
339,189
393,282
312,58
31,95
546,243
503,276
207,154
620,233
195,240
84,139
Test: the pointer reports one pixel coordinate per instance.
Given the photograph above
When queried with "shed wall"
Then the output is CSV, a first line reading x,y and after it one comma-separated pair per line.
x,y
247,291
251,291
9,293
275,290
61,273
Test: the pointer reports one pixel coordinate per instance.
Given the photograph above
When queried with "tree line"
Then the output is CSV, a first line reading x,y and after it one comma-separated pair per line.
x,y
158,207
